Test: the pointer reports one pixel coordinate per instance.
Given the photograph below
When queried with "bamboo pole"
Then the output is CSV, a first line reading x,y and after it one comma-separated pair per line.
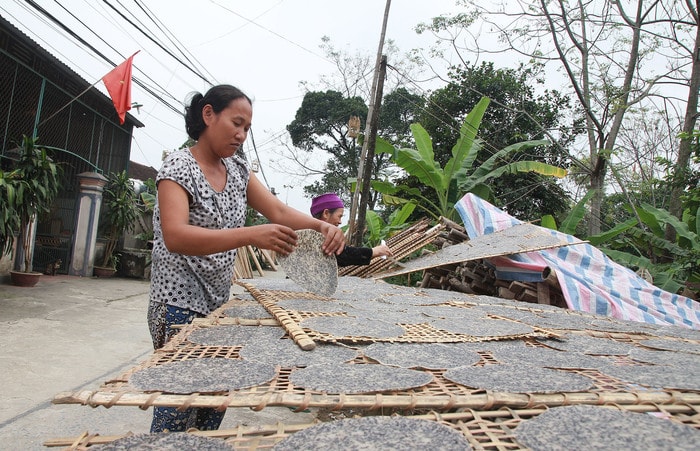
x,y
479,401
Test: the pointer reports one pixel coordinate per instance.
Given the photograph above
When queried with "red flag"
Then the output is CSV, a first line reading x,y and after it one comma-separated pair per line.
x,y
118,84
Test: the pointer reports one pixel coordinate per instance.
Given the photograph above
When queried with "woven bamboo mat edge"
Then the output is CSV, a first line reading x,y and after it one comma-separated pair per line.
x,y
402,245
473,399
488,430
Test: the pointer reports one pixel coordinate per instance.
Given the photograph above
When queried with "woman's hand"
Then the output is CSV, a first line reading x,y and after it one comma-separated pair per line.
x,y
381,251
335,239
274,237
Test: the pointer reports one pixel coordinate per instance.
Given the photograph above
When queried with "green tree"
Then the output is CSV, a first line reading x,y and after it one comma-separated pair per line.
x,y
516,114
614,56
121,211
460,174
400,109
321,123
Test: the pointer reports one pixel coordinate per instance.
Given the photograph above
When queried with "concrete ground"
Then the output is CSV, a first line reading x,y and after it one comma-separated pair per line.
x,y
70,333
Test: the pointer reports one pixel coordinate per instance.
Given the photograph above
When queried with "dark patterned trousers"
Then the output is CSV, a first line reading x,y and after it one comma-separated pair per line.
x,y
161,318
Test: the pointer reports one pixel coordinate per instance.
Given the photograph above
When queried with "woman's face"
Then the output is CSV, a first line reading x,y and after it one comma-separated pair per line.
x,y
333,216
227,130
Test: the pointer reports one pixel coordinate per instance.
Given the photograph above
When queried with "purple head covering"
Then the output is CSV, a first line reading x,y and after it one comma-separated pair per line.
x,y
329,201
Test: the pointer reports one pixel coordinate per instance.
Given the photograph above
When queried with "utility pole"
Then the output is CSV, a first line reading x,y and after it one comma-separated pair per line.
x,y
363,182
354,232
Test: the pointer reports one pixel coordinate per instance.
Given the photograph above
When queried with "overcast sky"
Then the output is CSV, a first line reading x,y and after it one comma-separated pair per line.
x,y
265,47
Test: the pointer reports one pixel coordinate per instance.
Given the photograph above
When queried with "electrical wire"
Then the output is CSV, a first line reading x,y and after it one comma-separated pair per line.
x,y
171,37
163,91
92,48
111,47
270,31
157,43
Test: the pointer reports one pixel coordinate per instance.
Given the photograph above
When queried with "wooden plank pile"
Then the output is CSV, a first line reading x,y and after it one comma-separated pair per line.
x,y
246,257
402,245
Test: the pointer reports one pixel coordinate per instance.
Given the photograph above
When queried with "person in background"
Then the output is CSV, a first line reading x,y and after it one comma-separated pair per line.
x,y
330,208
198,223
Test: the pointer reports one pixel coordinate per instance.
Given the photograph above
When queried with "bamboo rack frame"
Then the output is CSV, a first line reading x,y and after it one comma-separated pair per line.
x,y
487,430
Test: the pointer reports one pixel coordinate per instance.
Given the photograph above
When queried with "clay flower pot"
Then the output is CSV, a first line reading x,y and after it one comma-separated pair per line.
x,y
24,279
100,271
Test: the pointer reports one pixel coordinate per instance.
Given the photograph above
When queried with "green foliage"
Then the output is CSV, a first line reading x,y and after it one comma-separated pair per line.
x,y
379,230
35,180
399,109
577,214
321,123
458,176
644,246
516,114
494,168
549,222
10,221
147,197
120,212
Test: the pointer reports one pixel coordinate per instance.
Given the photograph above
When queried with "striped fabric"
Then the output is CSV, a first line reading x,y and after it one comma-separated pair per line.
x,y
590,281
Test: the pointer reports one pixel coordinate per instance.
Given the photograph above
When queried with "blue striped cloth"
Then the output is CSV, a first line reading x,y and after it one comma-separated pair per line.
x,y
590,281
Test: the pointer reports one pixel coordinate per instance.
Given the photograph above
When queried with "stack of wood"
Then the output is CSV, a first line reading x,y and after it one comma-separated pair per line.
x,y
403,244
479,277
247,257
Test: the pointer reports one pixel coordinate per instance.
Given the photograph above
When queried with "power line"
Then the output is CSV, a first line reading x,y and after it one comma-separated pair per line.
x,y
111,47
271,32
171,37
92,48
162,90
158,44
244,25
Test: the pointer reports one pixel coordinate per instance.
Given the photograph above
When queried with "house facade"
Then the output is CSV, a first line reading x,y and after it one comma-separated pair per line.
x,y
42,97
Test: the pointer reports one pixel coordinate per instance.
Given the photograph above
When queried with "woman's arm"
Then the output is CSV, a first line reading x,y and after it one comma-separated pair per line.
x,y
183,238
277,212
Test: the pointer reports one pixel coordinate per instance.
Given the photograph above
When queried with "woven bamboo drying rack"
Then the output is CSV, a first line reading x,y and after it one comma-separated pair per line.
x,y
306,339
483,429
440,394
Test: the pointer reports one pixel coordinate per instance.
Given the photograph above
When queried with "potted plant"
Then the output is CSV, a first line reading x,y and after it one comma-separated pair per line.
x,y
121,212
136,261
33,185
9,222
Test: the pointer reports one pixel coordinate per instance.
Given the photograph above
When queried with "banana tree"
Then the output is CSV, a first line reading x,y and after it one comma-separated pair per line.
x,y
459,176
573,219
378,229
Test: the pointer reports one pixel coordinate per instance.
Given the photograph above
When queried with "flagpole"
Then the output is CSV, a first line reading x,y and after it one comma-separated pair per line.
x,y
68,104
89,88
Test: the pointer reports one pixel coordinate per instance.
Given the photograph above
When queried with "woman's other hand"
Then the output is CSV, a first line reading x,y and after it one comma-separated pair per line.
x,y
335,239
382,251
274,237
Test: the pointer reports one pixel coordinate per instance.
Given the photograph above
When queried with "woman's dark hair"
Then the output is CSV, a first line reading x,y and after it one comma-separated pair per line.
x,y
330,210
219,97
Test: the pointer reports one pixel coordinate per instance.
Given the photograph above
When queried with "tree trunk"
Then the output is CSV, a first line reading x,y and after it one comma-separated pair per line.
x,y
685,146
354,206
365,181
